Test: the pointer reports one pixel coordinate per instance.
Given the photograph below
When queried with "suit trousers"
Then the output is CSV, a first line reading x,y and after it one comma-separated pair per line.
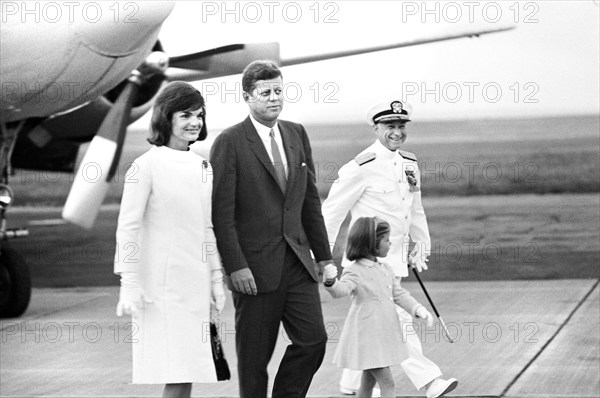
x,y
297,305
419,369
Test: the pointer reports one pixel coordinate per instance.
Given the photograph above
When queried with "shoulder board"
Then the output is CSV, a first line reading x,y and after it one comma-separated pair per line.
x,y
365,158
408,155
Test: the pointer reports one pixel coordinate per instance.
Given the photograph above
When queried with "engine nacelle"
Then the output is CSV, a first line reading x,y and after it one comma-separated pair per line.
x,y
53,143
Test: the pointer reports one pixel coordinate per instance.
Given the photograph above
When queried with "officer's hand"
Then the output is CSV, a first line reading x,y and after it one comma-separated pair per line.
x,y
423,313
418,258
243,281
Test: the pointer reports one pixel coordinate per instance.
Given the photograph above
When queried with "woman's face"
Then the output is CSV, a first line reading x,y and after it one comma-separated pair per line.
x,y
185,127
384,246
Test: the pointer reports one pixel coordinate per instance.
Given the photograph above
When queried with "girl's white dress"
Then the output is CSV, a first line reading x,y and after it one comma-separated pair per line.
x,y
371,337
165,235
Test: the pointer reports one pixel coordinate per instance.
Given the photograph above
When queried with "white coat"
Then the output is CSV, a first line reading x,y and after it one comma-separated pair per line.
x,y
165,235
375,184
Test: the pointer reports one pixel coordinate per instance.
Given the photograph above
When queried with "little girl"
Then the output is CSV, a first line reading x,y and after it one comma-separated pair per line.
x,y
371,340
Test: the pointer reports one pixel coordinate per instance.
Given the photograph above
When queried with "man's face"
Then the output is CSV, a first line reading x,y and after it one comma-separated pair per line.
x,y
266,101
391,134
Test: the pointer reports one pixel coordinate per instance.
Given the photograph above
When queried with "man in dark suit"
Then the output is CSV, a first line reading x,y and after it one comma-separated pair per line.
x,y
267,218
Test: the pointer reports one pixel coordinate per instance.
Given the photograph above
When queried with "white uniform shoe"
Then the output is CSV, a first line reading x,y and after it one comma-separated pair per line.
x,y
350,391
440,387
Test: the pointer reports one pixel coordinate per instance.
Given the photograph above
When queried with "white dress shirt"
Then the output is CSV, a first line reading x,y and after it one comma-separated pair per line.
x,y
264,133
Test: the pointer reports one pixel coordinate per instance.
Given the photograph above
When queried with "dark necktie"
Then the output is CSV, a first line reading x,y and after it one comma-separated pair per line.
x,y
278,163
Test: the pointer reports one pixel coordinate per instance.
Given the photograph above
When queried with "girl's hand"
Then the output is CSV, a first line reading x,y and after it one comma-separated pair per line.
x,y
330,272
423,313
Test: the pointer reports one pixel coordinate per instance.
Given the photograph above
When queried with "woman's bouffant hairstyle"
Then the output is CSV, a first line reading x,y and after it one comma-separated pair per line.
x,y
365,236
176,96
263,69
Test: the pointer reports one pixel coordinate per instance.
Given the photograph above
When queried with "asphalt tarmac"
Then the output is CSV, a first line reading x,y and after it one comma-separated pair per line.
x,y
522,329
513,339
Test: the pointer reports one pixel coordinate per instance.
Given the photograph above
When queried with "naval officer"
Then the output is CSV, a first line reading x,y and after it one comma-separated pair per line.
x,y
384,181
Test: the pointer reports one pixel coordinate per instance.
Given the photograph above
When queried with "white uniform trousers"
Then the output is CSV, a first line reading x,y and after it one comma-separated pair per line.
x,y
419,369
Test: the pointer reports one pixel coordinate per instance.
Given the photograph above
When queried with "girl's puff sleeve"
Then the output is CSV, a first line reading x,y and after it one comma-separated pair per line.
x,y
346,285
136,191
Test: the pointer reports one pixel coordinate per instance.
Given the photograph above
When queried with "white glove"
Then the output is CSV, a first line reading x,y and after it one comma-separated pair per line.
x,y
423,313
130,294
418,258
217,291
330,272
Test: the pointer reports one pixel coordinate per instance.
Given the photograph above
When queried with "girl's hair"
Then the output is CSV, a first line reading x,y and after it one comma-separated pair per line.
x,y
365,236
177,96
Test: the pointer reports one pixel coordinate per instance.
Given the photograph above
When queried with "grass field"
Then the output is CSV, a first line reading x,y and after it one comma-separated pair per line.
x,y
480,157
491,237
485,157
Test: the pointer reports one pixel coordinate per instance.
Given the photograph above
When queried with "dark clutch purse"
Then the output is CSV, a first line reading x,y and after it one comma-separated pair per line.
x,y
221,366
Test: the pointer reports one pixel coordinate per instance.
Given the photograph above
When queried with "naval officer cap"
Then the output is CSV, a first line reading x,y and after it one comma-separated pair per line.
x,y
389,111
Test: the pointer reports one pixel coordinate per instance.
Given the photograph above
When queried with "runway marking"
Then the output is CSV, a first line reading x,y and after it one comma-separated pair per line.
x,y
47,223
532,360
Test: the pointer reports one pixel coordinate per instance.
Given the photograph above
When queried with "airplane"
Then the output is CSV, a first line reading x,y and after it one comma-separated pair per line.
x,y
82,82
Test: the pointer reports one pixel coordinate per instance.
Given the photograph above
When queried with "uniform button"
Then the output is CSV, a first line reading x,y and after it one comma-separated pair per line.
x,y
389,286
403,199
406,217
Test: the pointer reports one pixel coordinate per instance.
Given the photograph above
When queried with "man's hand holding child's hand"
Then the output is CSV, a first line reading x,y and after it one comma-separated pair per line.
x,y
329,274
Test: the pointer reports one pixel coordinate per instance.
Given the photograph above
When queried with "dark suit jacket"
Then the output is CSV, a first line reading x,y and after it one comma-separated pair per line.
x,y
253,220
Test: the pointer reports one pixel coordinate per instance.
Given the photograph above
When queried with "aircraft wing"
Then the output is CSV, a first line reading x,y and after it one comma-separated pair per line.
x,y
408,43
232,59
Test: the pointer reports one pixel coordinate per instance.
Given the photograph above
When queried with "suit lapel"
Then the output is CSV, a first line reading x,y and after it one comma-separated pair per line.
x,y
290,146
257,146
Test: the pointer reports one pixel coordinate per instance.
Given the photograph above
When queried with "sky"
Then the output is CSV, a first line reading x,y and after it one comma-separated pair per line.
x,y
548,65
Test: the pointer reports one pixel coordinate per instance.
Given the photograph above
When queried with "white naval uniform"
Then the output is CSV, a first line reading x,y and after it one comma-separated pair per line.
x,y
375,184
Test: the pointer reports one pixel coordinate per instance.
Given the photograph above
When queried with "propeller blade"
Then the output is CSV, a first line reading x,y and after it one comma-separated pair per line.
x,y
100,161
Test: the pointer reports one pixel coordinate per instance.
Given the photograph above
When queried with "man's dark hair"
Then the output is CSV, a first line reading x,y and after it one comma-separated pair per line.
x,y
263,69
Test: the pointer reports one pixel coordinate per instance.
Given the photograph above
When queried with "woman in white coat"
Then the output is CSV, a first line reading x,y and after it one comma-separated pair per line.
x,y
166,253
